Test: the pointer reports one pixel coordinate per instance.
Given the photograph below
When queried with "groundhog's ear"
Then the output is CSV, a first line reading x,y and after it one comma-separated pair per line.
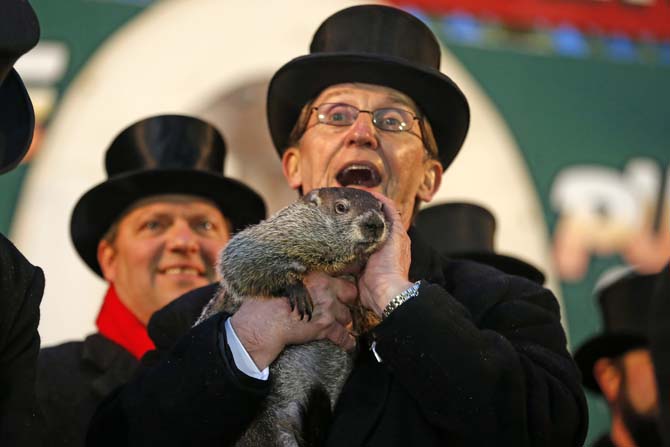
x,y
291,166
313,197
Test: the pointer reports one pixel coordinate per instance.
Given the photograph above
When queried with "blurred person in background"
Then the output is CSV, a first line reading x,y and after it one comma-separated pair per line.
x,y
467,231
21,283
153,231
464,354
617,363
659,340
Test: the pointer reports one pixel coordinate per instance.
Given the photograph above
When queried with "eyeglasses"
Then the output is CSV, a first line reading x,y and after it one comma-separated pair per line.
x,y
389,119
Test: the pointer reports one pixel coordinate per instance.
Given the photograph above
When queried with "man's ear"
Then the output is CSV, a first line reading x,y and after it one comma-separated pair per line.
x,y
430,183
291,166
106,259
608,377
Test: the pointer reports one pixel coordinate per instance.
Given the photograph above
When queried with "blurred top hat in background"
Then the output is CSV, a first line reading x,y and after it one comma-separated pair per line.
x,y
624,298
466,231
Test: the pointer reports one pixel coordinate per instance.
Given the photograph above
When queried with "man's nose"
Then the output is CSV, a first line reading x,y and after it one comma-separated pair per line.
x,y
362,132
182,238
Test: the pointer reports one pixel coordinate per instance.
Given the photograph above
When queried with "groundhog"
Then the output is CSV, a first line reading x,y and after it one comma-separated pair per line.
x,y
331,230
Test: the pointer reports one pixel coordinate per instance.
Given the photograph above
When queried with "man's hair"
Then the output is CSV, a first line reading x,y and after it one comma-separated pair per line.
x,y
111,233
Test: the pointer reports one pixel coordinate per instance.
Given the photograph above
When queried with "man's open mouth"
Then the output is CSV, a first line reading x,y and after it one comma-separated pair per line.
x,y
359,174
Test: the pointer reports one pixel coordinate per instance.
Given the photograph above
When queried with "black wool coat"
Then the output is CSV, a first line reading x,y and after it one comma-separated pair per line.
x,y
72,379
478,358
21,288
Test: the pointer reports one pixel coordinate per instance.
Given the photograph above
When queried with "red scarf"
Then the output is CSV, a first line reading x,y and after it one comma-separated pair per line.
x,y
116,322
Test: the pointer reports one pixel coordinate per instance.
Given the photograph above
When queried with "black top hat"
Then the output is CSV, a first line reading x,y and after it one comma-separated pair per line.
x,y
466,230
376,45
19,32
165,154
624,304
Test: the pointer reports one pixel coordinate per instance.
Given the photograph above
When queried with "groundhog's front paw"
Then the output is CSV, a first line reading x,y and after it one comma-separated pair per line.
x,y
299,297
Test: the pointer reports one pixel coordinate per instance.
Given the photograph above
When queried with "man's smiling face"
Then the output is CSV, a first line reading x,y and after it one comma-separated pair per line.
x,y
163,247
362,156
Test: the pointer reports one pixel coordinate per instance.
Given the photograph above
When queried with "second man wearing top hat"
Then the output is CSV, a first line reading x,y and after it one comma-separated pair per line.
x,y
152,230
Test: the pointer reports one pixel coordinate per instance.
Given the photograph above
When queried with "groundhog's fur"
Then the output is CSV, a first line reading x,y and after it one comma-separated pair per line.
x,y
332,230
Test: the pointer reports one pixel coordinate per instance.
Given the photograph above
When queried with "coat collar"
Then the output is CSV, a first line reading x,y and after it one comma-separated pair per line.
x,y
426,262
116,322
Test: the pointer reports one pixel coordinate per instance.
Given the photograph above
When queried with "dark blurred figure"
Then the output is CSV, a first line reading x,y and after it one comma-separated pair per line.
x,y
467,231
617,363
153,231
21,284
659,339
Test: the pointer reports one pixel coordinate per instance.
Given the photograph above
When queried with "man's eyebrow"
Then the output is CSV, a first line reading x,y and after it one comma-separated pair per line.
x,y
395,97
339,91
202,214
403,100
153,213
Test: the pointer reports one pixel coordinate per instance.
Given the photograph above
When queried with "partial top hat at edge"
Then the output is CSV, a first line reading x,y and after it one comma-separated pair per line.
x,y
466,231
379,45
19,32
164,154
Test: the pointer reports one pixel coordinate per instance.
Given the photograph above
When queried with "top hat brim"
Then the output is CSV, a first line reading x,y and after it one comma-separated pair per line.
x,y
17,121
102,205
606,345
303,78
507,264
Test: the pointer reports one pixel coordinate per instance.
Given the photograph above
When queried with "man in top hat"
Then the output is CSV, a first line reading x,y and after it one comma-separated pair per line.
x,y
21,283
153,231
659,341
464,354
466,231
617,363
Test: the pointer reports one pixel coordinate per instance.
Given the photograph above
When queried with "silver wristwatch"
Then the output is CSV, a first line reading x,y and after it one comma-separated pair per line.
x,y
403,296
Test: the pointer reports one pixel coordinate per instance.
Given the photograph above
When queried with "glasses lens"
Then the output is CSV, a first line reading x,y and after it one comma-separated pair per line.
x,y
337,114
394,120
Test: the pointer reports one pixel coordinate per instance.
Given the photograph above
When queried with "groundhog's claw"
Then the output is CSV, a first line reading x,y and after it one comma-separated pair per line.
x,y
299,297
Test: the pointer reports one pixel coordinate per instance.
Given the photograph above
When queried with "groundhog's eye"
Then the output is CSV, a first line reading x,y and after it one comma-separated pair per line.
x,y
341,207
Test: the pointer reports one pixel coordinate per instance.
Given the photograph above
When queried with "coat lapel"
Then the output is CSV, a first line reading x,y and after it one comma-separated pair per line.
x,y
364,395
115,365
361,403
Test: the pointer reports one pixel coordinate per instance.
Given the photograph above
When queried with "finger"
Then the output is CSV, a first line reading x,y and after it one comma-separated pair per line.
x,y
323,288
316,280
345,290
341,313
390,211
341,337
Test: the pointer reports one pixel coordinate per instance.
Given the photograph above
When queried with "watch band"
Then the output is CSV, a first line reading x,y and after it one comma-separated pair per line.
x,y
403,296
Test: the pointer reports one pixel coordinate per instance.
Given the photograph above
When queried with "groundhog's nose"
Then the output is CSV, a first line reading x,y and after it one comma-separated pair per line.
x,y
373,226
